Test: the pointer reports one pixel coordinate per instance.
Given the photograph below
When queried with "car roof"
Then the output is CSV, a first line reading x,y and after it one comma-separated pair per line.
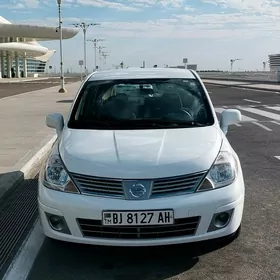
x,y
141,73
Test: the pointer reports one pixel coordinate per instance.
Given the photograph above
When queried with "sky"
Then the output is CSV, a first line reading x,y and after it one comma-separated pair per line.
x,y
208,32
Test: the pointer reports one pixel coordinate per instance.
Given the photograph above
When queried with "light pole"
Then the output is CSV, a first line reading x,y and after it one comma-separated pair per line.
x,y
100,54
62,87
232,62
95,41
105,55
84,27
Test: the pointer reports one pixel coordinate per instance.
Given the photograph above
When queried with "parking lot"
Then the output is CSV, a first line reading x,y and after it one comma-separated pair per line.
x,y
254,255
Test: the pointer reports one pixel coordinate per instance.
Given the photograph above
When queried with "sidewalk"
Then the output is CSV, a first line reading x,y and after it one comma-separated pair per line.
x,y
23,128
245,84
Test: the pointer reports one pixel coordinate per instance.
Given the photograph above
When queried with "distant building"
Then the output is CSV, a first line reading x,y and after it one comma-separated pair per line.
x,y
20,53
189,66
274,61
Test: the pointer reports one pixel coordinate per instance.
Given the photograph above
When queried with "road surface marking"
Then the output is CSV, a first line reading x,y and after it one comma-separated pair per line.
x,y
278,157
254,89
269,115
22,264
226,107
275,122
273,108
243,118
253,101
262,126
219,110
237,124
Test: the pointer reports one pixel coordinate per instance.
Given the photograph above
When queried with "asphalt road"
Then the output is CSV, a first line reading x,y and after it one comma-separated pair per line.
x,y
229,96
10,89
254,255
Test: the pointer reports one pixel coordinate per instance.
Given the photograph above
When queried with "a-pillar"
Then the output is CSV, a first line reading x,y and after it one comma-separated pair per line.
x,y
24,67
9,65
17,67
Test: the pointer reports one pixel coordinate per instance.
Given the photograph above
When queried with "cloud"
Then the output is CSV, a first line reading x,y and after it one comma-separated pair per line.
x,y
251,6
168,29
223,26
132,5
108,4
30,3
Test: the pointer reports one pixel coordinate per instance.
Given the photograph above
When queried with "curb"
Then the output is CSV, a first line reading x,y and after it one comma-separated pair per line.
x,y
12,179
243,86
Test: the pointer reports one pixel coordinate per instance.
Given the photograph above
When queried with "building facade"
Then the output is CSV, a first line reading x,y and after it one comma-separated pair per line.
x,y
274,62
33,66
21,55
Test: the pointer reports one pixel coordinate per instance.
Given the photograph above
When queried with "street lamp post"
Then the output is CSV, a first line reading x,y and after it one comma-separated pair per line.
x,y
95,41
100,54
105,55
62,87
84,27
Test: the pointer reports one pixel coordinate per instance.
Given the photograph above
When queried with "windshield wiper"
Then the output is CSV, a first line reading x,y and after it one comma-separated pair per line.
x,y
156,123
132,124
191,123
89,124
137,123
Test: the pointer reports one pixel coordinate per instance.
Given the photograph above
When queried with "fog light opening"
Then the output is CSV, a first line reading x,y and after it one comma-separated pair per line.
x,y
222,220
56,222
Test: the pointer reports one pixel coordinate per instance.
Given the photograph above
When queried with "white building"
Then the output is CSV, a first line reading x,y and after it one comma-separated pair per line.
x,y
274,62
20,53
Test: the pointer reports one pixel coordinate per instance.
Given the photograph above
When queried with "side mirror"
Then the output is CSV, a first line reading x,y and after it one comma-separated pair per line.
x,y
56,121
229,117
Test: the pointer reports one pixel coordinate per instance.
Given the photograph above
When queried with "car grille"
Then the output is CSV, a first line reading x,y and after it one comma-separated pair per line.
x,y
181,227
98,186
176,185
161,187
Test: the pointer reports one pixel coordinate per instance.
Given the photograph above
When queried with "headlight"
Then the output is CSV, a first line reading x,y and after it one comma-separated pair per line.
x,y
222,173
54,176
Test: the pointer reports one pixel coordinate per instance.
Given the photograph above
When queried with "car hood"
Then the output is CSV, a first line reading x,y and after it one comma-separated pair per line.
x,y
140,154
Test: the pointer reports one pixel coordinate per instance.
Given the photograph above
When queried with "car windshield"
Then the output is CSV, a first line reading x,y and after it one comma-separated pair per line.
x,y
141,104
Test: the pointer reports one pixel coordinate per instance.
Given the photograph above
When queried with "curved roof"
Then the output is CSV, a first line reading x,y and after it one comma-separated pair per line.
x,y
3,20
36,32
30,47
7,29
23,47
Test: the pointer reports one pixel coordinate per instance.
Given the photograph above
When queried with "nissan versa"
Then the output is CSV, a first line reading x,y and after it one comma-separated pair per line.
x,y
141,160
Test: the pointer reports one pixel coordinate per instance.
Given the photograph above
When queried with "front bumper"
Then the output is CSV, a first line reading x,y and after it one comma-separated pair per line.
x,y
203,205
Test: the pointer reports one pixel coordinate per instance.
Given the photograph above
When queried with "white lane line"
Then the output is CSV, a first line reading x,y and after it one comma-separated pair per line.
x,y
237,124
253,101
275,122
22,264
243,117
269,115
262,126
278,157
273,108
219,110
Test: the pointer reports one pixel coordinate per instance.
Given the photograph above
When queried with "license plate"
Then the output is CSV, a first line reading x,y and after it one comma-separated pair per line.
x,y
136,218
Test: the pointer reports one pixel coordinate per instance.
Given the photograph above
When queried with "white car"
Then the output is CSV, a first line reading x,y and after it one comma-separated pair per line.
x,y
147,172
